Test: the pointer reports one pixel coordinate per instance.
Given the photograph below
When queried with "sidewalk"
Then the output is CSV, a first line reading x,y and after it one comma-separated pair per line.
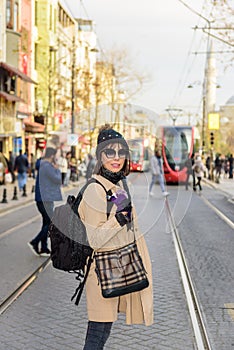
x,y
30,190
10,194
225,185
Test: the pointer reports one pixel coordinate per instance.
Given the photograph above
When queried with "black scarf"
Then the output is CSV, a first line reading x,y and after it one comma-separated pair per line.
x,y
112,177
115,178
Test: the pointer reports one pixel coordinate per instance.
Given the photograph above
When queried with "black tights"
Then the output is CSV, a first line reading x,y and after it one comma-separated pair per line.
x,y
97,335
199,183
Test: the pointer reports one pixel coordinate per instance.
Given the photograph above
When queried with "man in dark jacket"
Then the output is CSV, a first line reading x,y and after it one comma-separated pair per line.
x,y
21,166
48,190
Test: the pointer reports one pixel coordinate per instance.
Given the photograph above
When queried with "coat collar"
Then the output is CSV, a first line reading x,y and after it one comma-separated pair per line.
x,y
106,183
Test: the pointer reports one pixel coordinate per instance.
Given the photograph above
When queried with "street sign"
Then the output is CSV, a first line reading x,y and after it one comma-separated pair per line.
x,y
213,121
72,139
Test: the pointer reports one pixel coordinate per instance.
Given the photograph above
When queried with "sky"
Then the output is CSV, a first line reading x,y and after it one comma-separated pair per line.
x,y
161,42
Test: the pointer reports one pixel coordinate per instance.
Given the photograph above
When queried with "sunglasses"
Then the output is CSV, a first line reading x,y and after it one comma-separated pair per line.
x,y
110,153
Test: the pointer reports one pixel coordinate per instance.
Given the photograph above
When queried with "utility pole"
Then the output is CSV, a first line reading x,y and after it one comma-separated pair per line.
x,y
73,149
49,104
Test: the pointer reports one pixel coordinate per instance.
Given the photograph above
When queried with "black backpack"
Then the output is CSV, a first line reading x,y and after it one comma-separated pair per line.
x,y
70,250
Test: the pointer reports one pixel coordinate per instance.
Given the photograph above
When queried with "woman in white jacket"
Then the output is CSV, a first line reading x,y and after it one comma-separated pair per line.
x,y
199,169
157,173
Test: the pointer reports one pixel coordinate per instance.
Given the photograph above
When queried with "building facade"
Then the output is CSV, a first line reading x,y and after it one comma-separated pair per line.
x,y
15,98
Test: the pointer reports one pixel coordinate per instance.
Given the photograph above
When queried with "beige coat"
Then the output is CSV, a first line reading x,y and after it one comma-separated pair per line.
x,y
104,235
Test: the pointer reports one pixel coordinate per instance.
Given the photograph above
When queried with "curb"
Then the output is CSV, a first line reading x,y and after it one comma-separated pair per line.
x,y
21,204
216,186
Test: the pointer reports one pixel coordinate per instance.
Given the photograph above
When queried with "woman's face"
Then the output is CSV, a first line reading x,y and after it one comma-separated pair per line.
x,y
113,157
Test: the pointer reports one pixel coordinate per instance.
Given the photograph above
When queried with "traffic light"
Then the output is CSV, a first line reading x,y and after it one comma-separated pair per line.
x,y
212,138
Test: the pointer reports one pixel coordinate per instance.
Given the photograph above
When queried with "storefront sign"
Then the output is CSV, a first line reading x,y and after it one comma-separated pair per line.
x,y
72,139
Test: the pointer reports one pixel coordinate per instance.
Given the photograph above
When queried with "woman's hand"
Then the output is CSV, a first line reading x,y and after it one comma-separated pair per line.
x,y
120,199
124,207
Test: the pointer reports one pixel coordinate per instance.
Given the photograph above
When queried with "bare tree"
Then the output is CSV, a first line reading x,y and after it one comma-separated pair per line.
x,y
128,78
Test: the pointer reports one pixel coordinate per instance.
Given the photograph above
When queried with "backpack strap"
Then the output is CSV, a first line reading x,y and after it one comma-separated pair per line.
x,y
80,288
109,204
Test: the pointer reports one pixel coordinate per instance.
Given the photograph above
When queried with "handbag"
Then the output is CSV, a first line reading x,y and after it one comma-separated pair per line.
x,y
120,271
8,178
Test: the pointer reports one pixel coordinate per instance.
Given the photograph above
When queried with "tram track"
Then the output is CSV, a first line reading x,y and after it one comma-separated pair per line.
x,y
23,286
200,333
196,316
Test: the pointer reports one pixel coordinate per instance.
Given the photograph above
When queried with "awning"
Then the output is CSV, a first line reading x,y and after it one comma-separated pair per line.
x,y
17,72
10,97
23,115
8,134
33,127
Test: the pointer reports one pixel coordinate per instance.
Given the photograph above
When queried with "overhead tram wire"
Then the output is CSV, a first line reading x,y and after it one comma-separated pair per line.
x,y
88,18
182,80
201,16
68,7
184,74
98,40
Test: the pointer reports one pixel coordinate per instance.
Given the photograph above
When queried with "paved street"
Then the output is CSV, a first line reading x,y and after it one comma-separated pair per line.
x,y
44,318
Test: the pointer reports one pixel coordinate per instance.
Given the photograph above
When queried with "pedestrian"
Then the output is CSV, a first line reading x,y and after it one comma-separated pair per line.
x,y
62,163
111,169
230,160
218,166
32,165
199,169
11,165
74,169
47,190
21,166
189,165
225,167
90,167
68,173
208,166
157,173
3,168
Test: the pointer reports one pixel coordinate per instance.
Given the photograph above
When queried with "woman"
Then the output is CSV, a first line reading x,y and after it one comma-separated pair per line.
x,y
199,170
112,166
63,166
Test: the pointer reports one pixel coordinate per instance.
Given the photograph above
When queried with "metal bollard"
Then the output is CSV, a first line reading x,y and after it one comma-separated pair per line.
x,y
15,198
4,198
24,191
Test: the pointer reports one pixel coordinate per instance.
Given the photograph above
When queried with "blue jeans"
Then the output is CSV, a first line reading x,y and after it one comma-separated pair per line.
x,y
22,180
97,335
158,178
46,209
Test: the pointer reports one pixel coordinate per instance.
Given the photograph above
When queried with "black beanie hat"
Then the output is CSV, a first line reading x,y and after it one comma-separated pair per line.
x,y
107,136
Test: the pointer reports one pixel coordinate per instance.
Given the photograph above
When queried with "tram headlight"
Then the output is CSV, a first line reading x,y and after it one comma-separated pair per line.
x,y
177,168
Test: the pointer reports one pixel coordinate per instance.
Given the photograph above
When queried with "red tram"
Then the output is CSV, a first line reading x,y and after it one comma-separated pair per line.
x,y
140,154
178,144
